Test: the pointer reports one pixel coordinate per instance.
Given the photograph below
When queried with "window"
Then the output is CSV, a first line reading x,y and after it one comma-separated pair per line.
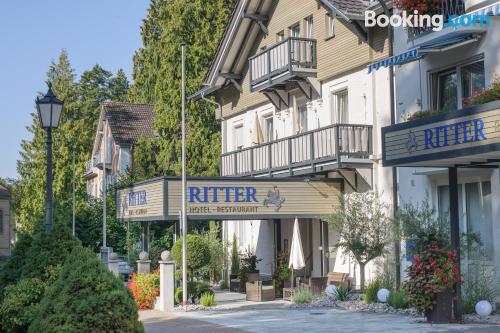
x,y
295,30
452,86
124,159
330,25
309,27
280,36
1,221
269,128
340,105
302,113
475,212
238,137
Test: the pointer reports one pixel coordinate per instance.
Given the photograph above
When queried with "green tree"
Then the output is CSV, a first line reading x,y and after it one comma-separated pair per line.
x,y
363,228
235,257
198,253
157,73
86,297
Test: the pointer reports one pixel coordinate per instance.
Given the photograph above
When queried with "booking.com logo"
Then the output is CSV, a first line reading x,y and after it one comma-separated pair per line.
x,y
425,21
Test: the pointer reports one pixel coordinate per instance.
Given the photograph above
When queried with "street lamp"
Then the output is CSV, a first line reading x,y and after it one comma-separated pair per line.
x,y
49,112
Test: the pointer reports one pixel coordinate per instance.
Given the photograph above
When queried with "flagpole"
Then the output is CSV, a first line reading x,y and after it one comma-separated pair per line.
x,y
184,217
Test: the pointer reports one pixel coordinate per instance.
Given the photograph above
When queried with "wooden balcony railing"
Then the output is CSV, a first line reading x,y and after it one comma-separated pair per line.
x,y
305,151
290,56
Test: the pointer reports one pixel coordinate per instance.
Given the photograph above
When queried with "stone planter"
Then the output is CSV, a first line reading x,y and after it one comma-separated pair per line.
x,y
252,277
441,312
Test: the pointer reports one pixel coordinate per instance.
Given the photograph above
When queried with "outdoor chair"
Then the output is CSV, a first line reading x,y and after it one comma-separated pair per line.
x,y
234,283
257,292
339,279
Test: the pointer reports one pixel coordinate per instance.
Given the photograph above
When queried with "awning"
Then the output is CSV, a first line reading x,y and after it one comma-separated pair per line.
x,y
439,43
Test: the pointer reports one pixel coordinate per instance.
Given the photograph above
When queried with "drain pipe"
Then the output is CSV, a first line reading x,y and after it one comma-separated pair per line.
x,y
397,243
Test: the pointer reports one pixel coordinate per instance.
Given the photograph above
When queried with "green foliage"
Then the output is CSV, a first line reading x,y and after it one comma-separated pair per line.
x,y
363,227
302,297
11,270
195,291
419,224
249,262
342,294
86,297
216,249
20,304
478,284
235,257
398,299
145,287
198,253
487,95
208,299
371,290
157,71
75,137
224,285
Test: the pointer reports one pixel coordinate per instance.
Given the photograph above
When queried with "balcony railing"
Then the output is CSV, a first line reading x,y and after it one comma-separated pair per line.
x,y
96,162
447,8
323,149
291,56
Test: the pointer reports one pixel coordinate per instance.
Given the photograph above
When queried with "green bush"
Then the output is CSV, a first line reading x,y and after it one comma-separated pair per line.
x,y
20,303
398,299
178,295
235,257
342,294
478,284
207,299
11,270
86,297
195,290
302,297
224,285
198,254
371,291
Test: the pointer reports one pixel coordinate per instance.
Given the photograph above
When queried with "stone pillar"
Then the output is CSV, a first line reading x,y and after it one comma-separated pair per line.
x,y
143,264
165,301
113,263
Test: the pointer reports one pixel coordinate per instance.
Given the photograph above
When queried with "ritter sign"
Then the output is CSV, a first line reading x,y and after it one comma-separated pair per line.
x,y
444,140
159,199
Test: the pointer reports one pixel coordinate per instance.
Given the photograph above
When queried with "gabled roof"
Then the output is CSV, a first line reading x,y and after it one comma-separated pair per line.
x,y
4,193
128,122
241,32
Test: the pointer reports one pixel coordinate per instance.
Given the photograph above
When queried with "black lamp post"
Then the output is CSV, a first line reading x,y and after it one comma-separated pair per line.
x,y
49,112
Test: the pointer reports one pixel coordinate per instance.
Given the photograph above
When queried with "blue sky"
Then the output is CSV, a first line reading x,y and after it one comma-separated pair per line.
x,y
33,32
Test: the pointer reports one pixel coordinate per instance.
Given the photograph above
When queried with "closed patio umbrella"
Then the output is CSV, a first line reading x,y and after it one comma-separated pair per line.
x,y
257,135
296,253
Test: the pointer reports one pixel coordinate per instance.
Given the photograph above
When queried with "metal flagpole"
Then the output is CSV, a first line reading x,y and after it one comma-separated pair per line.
x,y
184,217
74,199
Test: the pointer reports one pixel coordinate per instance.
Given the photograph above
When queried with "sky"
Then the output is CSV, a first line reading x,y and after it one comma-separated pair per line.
x,y
33,33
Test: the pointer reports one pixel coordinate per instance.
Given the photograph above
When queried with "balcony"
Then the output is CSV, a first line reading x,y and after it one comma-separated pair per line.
x,y
286,65
446,8
322,150
94,164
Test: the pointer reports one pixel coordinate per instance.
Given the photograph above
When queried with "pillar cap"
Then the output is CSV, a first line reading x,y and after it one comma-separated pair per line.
x,y
143,256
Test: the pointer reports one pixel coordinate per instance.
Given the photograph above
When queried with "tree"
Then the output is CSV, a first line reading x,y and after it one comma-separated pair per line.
x,y
157,73
235,257
86,297
198,253
363,227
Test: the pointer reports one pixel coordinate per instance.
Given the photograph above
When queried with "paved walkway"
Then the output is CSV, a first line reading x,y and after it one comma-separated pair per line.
x,y
239,316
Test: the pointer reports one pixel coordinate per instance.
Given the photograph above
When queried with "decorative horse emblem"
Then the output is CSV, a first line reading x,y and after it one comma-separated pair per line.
x,y
411,143
274,198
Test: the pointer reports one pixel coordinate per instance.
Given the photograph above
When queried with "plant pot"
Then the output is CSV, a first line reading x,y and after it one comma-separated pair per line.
x,y
252,277
441,312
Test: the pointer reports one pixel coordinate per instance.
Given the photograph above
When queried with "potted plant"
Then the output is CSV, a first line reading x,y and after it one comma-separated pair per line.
x,y
430,280
282,274
248,269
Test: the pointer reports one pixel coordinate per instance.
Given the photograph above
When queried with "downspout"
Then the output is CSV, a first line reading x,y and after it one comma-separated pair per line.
x,y
397,243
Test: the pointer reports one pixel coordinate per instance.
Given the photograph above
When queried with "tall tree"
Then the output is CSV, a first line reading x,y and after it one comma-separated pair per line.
x,y
157,79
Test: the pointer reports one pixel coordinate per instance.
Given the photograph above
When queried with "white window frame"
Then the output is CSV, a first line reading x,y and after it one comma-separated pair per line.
x,y
266,118
238,127
330,26
335,112
294,29
309,25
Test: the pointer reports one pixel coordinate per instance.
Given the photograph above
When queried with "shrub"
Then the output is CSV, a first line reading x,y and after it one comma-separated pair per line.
x,y
178,295
371,291
145,288
224,285
207,299
235,257
11,270
195,290
20,303
302,297
342,294
198,254
398,299
477,285
86,297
